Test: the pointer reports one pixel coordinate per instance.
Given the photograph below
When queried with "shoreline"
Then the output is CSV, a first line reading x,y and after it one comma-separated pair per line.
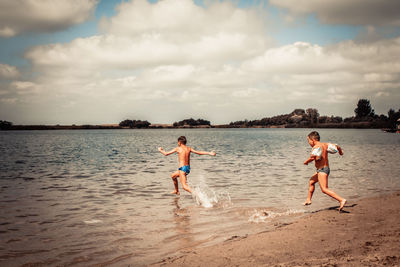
x,y
158,127
366,233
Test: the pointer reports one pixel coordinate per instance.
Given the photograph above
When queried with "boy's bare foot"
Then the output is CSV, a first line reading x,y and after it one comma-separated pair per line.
x,y
308,202
175,192
342,203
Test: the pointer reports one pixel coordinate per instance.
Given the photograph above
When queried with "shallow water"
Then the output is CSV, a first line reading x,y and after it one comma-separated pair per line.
x,y
101,196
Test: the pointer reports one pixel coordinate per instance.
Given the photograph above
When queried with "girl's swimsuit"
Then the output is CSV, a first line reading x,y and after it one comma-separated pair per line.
x,y
185,169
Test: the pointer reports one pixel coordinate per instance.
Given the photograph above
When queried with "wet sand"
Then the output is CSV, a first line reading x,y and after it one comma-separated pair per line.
x,y
367,233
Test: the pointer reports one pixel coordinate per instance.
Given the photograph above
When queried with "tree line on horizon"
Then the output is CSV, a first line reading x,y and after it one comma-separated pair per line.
x,y
365,117
134,124
192,122
183,123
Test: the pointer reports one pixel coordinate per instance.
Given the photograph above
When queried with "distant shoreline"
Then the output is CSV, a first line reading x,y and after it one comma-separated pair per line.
x,y
365,118
343,125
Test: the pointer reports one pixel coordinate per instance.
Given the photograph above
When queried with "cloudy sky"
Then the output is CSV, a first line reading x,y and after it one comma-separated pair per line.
x,y
102,61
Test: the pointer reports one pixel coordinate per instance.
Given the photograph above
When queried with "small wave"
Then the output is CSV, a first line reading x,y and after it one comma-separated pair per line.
x,y
261,216
126,191
94,221
82,176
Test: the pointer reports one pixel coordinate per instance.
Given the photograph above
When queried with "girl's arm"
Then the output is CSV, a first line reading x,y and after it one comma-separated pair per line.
x,y
166,153
212,153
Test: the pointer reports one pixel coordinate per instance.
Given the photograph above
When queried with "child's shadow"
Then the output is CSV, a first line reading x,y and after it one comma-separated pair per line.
x,y
337,207
342,211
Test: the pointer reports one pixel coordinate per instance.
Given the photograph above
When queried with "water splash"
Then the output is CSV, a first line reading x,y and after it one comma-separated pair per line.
x,y
261,216
204,196
208,198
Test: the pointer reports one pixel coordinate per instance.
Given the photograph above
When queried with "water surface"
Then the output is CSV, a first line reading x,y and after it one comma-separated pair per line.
x,y
102,196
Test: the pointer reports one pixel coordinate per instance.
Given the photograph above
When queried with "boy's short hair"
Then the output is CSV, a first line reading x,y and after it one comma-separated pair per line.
x,y
314,135
182,140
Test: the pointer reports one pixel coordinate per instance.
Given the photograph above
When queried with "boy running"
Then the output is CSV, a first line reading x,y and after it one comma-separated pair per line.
x,y
184,163
319,154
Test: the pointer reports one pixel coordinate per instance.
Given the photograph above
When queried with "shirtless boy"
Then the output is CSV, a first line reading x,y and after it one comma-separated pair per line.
x,y
319,154
184,163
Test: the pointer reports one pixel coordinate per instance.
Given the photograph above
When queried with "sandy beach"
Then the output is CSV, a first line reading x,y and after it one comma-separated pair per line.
x,y
367,233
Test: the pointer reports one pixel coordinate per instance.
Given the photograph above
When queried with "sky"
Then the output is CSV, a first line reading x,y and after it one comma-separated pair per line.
x,y
103,61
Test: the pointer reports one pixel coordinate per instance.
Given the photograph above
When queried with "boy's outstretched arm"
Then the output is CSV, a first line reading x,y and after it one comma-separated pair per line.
x,y
166,153
315,155
212,153
311,158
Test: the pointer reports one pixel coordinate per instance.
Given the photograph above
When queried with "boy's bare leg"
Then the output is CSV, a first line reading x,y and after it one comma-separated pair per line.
x,y
342,203
323,183
174,177
311,188
182,178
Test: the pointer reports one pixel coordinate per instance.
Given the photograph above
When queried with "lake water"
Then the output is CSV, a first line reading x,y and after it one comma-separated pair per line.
x,y
102,196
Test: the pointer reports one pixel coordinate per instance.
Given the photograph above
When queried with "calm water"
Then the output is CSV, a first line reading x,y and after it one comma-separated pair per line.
x,y
101,197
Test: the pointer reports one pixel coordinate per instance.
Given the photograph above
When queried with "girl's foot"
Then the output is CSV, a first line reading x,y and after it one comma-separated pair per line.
x,y
308,202
175,192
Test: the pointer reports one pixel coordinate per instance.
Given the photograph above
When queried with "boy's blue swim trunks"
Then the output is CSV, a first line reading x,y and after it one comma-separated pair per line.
x,y
185,168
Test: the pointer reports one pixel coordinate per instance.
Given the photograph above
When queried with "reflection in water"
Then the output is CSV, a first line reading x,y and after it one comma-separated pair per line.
x,y
183,230
93,197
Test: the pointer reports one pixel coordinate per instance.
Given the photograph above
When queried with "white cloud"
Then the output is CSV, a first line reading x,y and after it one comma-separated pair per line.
x,y
348,56
110,51
354,12
8,100
8,72
19,16
249,92
199,62
335,74
167,33
380,77
24,87
181,19
298,58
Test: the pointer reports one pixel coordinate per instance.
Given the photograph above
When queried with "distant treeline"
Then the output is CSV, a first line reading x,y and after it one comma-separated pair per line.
x,y
5,125
134,124
192,123
187,123
365,117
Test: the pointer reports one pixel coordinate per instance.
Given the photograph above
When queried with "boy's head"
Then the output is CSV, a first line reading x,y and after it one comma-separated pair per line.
x,y
312,137
182,140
